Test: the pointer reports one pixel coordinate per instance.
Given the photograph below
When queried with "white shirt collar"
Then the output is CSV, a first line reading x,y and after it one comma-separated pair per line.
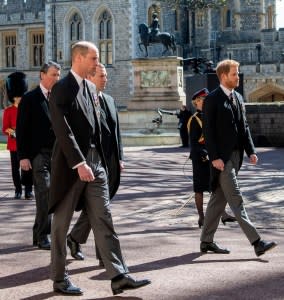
x,y
78,78
44,90
226,90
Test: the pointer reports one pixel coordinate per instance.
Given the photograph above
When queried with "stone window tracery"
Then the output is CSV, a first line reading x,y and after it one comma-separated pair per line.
x,y
105,38
37,48
10,44
75,28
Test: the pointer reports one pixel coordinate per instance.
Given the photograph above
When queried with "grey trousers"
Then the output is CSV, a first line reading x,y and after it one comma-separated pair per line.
x,y
229,192
81,230
96,194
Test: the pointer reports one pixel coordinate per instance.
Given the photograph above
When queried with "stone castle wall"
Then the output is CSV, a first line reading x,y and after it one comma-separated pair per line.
x,y
266,123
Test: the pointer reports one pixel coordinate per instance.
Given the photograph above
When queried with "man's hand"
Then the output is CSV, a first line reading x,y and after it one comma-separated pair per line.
x,y
25,164
253,159
122,167
218,164
85,173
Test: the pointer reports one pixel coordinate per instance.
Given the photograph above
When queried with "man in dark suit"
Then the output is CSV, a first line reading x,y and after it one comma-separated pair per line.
x,y
113,151
35,139
79,174
227,136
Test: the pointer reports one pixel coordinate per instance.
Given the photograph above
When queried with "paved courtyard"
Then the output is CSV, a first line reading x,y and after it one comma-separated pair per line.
x,y
156,220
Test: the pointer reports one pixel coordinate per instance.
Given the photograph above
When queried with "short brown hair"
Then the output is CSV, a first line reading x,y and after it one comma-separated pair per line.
x,y
224,66
82,48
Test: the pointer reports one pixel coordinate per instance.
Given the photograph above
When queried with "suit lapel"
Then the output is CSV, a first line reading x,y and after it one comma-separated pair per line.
x,y
44,103
103,113
84,106
92,97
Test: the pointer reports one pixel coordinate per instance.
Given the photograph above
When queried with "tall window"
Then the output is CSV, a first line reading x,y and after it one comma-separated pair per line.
x,y
154,9
75,28
37,48
200,19
270,17
228,18
10,43
105,38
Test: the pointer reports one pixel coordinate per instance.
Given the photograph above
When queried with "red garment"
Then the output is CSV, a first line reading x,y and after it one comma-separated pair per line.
x,y
9,121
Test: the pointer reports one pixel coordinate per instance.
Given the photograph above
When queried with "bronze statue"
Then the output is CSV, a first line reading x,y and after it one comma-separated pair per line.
x,y
153,35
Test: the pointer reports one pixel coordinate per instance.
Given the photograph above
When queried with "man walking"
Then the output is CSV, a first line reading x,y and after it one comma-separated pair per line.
x,y
35,139
227,136
78,176
113,151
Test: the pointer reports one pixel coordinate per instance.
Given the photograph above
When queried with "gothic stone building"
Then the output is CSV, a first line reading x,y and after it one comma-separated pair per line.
x,y
34,31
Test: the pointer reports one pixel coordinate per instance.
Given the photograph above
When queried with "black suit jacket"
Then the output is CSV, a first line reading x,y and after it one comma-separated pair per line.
x,y
111,141
220,131
34,130
73,127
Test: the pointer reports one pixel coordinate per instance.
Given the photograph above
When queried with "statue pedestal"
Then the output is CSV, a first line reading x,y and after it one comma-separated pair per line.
x,y
158,83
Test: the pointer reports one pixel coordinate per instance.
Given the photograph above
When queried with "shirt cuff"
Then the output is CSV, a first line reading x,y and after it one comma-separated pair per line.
x,y
78,165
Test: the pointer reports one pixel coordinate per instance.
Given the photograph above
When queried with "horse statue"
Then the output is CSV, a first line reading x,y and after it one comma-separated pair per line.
x,y
150,36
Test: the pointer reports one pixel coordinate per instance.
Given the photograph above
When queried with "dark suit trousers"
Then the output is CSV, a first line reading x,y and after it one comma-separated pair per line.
x,y
41,177
229,192
81,230
15,164
96,195
19,176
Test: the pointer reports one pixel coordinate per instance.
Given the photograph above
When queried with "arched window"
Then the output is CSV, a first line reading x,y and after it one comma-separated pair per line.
x,y
105,38
37,48
75,28
154,9
200,19
270,17
228,18
10,43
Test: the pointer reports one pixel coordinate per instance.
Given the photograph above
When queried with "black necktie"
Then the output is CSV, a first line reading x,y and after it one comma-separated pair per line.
x,y
84,88
233,101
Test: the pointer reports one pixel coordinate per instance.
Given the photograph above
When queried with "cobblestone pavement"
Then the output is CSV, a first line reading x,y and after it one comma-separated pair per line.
x,y
156,220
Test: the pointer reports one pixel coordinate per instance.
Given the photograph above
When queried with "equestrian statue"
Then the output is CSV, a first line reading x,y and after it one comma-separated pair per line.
x,y
152,35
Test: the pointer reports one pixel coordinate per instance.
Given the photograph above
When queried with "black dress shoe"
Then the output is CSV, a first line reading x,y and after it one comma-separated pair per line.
x,y
262,246
18,195
228,219
44,244
75,248
101,264
204,247
125,282
66,287
29,196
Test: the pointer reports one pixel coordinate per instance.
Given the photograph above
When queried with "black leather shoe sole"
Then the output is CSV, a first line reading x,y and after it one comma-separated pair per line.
x,y
68,292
